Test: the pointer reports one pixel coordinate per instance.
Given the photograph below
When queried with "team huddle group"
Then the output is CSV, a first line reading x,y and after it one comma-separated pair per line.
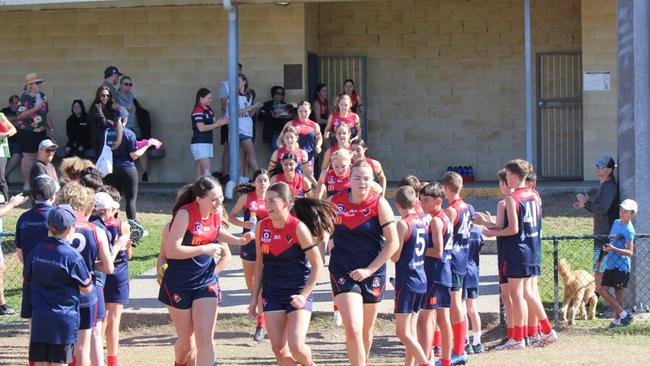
x,y
288,231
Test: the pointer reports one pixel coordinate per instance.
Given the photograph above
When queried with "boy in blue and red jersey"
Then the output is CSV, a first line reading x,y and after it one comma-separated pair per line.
x,y
521,234
438,270
459,214
410,279
470,289
56,274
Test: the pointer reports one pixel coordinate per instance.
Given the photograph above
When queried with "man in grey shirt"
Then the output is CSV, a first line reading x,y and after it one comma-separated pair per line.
x,y
603,205
111,78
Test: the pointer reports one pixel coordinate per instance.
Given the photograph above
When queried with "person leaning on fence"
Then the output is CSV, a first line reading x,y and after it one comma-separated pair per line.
x,y
603,205
14,202
617,262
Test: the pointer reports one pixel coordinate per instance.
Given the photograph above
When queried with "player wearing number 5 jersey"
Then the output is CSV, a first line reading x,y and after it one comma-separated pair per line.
x,y
459,214
521,234
92,244
410,279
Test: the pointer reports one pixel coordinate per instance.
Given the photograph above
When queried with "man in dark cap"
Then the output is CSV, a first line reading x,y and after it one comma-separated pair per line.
x,y
111,80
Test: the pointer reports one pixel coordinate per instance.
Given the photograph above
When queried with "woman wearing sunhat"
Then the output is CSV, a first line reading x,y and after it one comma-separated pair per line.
x,y
34,121
604,206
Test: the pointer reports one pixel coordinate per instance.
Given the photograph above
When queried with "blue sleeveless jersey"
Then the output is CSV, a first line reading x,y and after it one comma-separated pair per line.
x,y
196,272
358,236
409,269
461,237
87,244
285,263
521,247
438,270
100,277
475,244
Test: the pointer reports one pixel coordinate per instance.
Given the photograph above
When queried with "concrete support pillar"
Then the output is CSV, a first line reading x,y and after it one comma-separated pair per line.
x,y
634,132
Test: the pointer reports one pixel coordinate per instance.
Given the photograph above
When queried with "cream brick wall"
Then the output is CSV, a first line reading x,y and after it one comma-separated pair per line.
x,y
169,51
445,77
599,53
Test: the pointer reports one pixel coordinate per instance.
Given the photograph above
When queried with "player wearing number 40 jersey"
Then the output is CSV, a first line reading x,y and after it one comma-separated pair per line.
x,y
520,235
459,214
410,278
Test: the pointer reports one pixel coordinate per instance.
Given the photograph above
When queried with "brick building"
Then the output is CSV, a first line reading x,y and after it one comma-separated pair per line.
x,y
443,80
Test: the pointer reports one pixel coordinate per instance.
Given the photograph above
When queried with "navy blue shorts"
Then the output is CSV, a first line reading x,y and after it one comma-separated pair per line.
x,y
516,270
53,353
101,303
182,299
243,137
437,296
371,289
407,301
88,316
470,293
270,305
116,289
247,252
14,147
457,282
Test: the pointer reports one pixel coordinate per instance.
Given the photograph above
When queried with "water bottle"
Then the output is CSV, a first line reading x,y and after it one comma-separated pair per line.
x,y
253,219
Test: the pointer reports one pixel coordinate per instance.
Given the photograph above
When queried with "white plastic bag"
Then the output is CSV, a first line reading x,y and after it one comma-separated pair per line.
x,y
105,161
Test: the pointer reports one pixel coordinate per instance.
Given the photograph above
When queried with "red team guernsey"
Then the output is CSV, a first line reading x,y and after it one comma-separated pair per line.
x,y
285,264
196,272
335,183
358,236
350,120
297,184
255,205
282,151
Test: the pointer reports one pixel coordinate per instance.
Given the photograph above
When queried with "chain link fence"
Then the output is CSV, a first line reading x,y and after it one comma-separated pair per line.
x,y
11,277
567,284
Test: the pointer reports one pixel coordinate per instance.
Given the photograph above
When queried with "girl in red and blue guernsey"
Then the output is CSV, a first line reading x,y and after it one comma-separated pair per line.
x,y
251,202
190,287
300,184
288,269
290,145
309,136
364,239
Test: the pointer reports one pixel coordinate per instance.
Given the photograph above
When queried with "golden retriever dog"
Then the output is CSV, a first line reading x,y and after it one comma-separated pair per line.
x,y
579,290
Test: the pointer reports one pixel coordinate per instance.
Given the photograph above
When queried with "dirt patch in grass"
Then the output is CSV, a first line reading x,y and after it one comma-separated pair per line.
x,y
150,342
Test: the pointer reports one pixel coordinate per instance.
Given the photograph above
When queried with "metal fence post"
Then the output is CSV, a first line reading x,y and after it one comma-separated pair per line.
x,y
556,287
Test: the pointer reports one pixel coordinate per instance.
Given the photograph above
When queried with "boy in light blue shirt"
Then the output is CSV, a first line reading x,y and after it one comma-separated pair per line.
x,y
618,262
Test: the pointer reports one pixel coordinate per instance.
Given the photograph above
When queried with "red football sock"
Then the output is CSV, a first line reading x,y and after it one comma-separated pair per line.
x,y
261,321
437,339
518,334
445,362
31,363
73,362
510,333
111,360
459,337
545,324
532,332
180,364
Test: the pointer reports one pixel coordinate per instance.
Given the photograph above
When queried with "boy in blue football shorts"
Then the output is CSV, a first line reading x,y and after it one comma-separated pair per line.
x,y
410,279
617,262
